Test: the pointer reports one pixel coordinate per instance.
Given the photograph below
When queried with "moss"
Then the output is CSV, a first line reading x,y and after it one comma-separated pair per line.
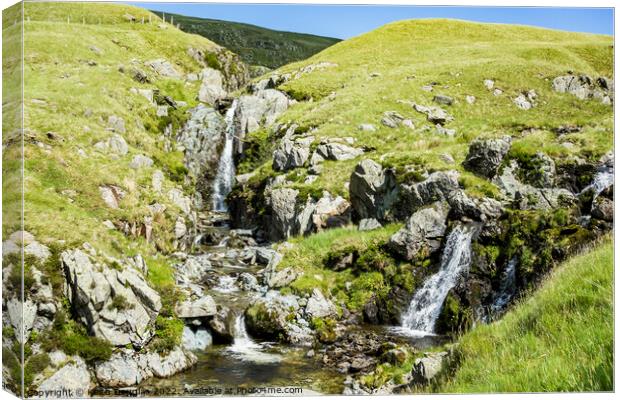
x,y
119,302
325,329
34,366
168,334
212,61
261,322
454,317
258,149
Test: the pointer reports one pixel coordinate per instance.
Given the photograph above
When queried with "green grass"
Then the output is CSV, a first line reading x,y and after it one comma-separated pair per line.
x,y
559,339
255,45
458,55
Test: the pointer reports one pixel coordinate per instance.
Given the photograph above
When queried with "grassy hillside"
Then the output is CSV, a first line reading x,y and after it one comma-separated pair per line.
x,y
559,339
255,45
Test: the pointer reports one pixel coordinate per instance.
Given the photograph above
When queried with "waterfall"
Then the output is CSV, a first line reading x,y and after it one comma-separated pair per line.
x,y
603,179
507,287
427,300
222,185
247,349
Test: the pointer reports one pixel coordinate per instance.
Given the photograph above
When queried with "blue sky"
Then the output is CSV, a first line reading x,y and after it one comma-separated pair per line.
x,y
347,21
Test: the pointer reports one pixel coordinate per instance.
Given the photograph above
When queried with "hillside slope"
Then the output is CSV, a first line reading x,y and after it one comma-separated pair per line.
x,y
255,45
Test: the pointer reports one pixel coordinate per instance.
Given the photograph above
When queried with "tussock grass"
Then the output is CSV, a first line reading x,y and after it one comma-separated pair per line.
x,y
559,339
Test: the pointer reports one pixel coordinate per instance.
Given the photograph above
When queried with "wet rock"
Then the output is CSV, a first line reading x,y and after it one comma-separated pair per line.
x,y
212,86
292,153
193,269
248,282
198,339
373,190
320,307
486,155
92,291
422,234
369,224
223,325
73,379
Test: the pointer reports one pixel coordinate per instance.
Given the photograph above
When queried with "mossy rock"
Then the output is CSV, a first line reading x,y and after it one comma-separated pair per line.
x,y
262,322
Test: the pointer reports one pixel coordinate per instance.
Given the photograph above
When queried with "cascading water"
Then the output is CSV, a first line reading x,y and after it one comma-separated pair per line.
x,y
603,179
245,348
507,287
223,183
427,301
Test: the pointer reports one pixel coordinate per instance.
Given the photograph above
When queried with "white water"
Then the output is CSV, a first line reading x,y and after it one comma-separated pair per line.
x,y
226,284
427,301
247,349
603,179
508,286
223,183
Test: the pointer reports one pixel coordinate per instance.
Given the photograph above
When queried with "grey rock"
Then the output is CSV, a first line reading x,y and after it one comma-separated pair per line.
x,y
282,278
437,187
372,190
584,87
331,212
164,68
292,153
522,102
212,86
203,307
290,215
320,307
442,99
435,115
198,339
21,316
463,206
369,224
111,195
428,367
180,200
603,208
338,151
157,181
73,379
116,124
486,155
38,250
367,128
489,84
470,99
422,234
140,161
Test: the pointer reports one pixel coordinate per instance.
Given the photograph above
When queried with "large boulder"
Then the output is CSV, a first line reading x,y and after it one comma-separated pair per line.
x,y
481,209
130,368
73,380
289,215
372,190
320,307
212,86
486,155
292,153
422,233
118,306
584,87
331,212
200,308
437,187
196,339
336,152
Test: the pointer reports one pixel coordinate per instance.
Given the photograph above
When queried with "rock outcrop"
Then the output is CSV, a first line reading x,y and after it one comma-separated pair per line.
x,y
584,87
486,155
373,191
118,306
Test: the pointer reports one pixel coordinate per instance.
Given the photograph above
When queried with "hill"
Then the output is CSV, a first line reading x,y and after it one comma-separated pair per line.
x,y
255,45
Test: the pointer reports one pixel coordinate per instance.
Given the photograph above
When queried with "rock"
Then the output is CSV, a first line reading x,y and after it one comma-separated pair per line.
x,y
73,380
39,251
368,224
422,234
409,124
331,212
116,124
436,187
163,68
21,315
497,92
223,325
111,195
248,282
282,278
288,216
470,99
211,88
129,369
203,307
442,99
177,198
373,190
180,229
486,155
488,83
338,151
435,115
198,339
193,269
392,119
463,206
92,290
603,208
292,153
543,174
367,128
141,161
320,307
444,131
584,87
162,111
427,88
429,366
118,145
157,180
522,102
